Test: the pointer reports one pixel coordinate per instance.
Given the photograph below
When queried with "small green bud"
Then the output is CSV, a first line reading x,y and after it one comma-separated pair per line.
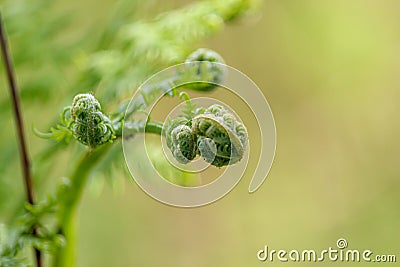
x,y
205,65
215,134
89,125
229,136
183,144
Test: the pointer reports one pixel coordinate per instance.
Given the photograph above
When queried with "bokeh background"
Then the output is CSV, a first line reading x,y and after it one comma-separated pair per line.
x,y
330,72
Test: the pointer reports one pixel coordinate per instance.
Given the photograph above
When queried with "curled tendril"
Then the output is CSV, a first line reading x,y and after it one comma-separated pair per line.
x,y
213,133
203,70
183,144
89,125
222,138
177,137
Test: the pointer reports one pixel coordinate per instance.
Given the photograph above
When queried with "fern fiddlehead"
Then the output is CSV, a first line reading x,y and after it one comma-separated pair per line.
x,y
183,143
201,70
221,137
89,125
213,133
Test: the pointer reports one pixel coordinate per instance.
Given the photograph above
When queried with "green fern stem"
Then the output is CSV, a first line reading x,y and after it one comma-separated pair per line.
x,y
70,200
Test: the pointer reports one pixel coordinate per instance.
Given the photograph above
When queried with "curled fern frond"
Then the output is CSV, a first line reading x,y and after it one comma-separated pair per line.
x,y
205,70
222,138
170,132
213,133
89,125
183,145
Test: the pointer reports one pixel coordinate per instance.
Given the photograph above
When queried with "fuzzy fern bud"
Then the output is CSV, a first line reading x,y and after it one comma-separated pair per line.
x,y
203,68
183,145
89,125
222,138
213,133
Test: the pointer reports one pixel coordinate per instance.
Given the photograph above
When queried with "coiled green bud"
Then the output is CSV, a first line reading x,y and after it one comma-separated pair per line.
x,y
222,138
183,145
180,139
202,68
215,134
89,125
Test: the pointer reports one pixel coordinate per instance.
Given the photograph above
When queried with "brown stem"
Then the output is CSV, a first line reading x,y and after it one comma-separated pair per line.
x,y
19,124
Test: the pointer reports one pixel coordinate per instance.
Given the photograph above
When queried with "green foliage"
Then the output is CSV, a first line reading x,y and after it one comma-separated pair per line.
x,y
34,32
145,47
32,228
190,109
114,64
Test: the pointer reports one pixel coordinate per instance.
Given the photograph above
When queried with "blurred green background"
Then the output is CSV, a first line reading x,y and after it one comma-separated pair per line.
x,y
330,71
